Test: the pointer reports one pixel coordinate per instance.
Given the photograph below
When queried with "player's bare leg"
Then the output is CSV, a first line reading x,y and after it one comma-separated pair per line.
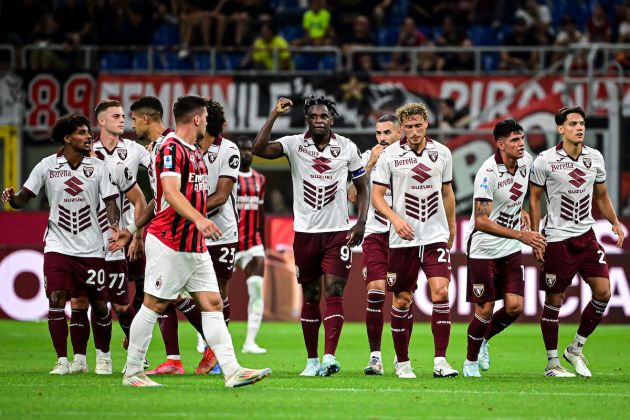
x,y
58,327
401,304
333,322
549,327
311,320
476,331
374,325
102,328
441,326
79,333
501,319
254,272
590,319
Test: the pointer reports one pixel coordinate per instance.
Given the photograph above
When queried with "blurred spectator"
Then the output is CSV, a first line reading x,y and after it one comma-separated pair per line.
x,y
204,15
598,26
380,12
463,60
47,33
361,37
520,36
243,15
124,22
344,14
533,13
261,55
623,57
316,25
451,36
570,35
493,12
449,118
18,19
408,36
75,20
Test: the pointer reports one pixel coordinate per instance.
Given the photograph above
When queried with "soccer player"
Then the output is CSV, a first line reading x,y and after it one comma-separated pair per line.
x,y
251,252
376,245
177,257
418,171
74,263
494,237
320,161
572,176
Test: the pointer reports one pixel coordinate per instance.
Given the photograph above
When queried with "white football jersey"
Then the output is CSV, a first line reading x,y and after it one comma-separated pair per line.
x,y
568,188
376,222
506,192
223,160
320,197
154,151
132,155
74,195
122,179
416,182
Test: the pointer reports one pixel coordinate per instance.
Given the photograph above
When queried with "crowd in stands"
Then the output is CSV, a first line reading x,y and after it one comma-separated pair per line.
x,y
251,29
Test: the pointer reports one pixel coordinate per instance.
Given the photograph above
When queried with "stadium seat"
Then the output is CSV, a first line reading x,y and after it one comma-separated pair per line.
x,y
398,12
115,61
306,61
483,35
229,61
170,61
201,61
140,61
327,62
166,35
291,32
388,36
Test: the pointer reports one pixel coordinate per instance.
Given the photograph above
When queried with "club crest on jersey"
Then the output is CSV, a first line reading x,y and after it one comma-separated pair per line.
x,y
587,162
391,279
88,170
158,283
212,156
550,279
335,150
122,154
433,155
478,289
522,170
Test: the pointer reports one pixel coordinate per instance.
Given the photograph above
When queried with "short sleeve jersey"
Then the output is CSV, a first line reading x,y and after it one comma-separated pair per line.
x,y
74,195
250,196
316,24
568,186
223,160
416,182
176,158
506,191
153,154
320,202
376,222
132,155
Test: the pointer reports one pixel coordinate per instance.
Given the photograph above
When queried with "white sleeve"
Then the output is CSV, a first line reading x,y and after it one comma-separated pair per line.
x,y
538,175
447,171
381,174
36,179
144,155
485,184
288,143
123,178
600,177
365,157
355,164
230,163
105,186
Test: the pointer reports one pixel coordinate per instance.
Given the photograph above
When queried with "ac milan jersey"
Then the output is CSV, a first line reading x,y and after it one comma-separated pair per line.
x,y
568,186
223,160
132,155
416,182
154,152
250,196
124,181
376,222
320,202
179,159
506,191
74,195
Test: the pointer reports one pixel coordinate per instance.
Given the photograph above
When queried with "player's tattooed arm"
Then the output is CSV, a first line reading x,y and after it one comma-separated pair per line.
x,y
113,212
17,201
608,211
262,146
448,196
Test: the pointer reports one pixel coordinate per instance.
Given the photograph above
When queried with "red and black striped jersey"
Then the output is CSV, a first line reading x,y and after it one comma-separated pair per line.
x,y
250,197
178,158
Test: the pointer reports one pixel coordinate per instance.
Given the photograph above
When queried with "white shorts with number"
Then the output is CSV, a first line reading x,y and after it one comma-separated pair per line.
x,y
169,272
244,257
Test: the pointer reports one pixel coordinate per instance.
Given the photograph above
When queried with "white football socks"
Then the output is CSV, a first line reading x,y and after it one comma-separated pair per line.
x,y
220,341
576,346
255,307
140,335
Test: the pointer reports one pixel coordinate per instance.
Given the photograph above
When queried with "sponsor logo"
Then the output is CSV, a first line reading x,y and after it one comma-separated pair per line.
x,y
587,162
391,279
516,191
88,170
522,170
168,162
484,183
320,164
550,279
576,178
478,289
57,174
158,283
433,155
122,154
335,150
561,166
422,172
234,162
74,186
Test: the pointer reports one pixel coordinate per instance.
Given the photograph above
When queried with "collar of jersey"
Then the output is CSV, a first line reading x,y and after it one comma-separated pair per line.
x,y
501,165
61,159
561,152
308,139
110,152
190,146
405,146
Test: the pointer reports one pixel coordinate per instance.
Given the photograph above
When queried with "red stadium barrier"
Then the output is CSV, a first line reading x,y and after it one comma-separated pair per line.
x,y
22,294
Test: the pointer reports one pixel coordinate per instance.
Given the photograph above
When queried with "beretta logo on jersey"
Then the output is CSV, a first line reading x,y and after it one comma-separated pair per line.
x,y
550,279
522,170
335,150
88,170
122,154
433,155
234,162
587,162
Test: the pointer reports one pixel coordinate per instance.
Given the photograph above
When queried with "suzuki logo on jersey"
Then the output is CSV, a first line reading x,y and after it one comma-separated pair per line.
x,y
516,191
74,188
577,179
320,164
421,170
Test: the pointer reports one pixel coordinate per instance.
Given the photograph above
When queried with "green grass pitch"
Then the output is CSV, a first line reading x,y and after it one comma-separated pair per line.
x,y
515,386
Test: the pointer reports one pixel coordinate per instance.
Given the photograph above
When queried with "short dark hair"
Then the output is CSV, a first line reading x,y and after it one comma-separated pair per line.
x,y
148,105
242,139
505,128
561,115
185,106
329,103
449,102
392,118
67,125
105,104
216,118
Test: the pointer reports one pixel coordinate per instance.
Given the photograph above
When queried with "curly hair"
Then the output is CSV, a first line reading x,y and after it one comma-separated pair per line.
x,y
216,118
329,103
67,125
409,110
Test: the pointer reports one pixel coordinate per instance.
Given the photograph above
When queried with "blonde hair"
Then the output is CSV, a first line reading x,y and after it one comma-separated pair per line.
x,y
409,110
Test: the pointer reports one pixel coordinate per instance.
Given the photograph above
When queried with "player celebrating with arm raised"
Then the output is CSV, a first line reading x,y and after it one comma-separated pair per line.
x,y
494,238
74,251
418,170
572,176
320,161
